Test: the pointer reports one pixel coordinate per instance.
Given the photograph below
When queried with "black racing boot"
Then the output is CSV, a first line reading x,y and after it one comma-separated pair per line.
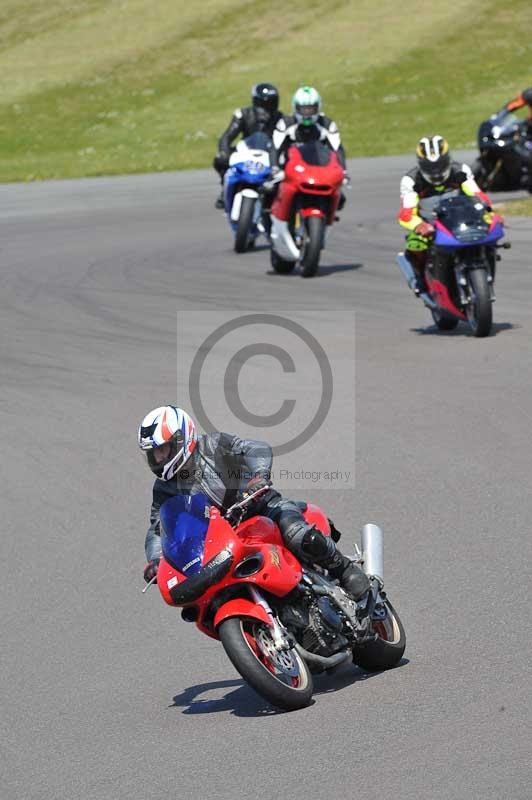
x,y
352,579
219,203
324,552
418,260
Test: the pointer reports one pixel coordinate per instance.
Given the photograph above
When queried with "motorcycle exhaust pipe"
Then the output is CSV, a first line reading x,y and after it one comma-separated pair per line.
x,y
410,275
323,662
407,269
372,543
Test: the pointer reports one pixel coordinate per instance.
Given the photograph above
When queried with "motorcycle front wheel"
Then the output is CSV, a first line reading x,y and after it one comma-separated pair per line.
x,y
386,650
314,233
245,222
281,677
478,310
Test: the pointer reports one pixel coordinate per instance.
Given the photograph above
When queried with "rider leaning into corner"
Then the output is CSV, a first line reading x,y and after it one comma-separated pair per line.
x,y
307,124
262,116
227,469
434,174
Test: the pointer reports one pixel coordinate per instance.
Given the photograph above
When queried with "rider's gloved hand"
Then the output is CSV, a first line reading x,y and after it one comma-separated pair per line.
x,y
254,485
424,229
277,177
257,483
150,570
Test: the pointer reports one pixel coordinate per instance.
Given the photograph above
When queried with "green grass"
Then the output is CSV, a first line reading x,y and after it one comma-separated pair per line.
x,y
516,208
92,87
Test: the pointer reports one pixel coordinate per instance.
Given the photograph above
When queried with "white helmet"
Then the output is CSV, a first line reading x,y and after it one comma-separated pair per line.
x,y
306,105
167,435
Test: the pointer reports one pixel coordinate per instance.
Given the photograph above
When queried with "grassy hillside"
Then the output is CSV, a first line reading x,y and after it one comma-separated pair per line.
x,y
107,86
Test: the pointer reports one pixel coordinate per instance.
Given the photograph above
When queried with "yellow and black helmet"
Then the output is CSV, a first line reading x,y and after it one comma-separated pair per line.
x,y
434,159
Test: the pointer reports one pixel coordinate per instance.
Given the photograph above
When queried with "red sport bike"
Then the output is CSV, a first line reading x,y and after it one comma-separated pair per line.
x,y
279,620
305,205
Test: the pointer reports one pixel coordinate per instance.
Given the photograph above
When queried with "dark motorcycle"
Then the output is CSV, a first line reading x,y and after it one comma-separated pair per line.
x,y
460,268
505,153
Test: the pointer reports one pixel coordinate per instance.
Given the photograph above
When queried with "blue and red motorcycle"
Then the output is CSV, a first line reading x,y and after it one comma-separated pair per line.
x,y
279,620
461,261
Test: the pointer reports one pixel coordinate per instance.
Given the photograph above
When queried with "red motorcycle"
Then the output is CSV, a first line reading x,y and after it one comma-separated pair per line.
x,y
278,620
305,204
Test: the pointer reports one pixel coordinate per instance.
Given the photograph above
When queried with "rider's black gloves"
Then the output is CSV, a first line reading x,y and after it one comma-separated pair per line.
x,y
150,570
255,484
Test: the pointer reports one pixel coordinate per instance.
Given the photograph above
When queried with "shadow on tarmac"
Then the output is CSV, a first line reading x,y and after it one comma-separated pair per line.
x,y
462,330
242,701
323,270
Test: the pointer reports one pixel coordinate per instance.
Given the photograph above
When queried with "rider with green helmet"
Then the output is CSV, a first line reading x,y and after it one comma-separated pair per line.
x,y
306,124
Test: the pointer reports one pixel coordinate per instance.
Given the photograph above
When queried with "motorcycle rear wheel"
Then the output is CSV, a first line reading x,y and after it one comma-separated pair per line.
x,y
245,221
443,322
315,229
479,311
387,649
282,678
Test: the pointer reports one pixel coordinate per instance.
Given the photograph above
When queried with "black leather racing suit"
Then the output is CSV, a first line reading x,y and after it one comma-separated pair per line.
x,y
221,466
244,122
287,131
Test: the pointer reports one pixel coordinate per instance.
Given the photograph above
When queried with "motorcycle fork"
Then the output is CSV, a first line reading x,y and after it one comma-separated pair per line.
x,y
484,261
279,636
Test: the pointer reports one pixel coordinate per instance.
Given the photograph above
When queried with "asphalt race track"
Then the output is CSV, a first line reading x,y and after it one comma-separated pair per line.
x,y
107,693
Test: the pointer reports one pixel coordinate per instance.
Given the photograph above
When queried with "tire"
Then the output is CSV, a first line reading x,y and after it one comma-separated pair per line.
x,y
281,266
479,174
315,228
245,221
443,322
479,310
283,678
387,649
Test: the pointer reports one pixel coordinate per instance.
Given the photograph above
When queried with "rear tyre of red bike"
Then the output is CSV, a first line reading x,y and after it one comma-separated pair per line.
x,y
387,649
282,678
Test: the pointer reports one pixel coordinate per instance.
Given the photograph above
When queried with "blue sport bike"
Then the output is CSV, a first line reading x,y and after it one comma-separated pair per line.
x,y
249,168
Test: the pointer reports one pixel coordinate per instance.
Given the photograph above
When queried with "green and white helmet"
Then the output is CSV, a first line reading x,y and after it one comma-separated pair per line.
x,y
306,105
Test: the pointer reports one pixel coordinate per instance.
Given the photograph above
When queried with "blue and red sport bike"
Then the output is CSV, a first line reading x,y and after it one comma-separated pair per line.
x,y
461,261
279,620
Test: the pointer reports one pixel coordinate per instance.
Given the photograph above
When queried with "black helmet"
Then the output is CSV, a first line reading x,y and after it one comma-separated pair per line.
x,y
434,159
266,96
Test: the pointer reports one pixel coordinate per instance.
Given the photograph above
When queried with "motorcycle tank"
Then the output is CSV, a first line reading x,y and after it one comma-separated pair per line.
x,y
184,524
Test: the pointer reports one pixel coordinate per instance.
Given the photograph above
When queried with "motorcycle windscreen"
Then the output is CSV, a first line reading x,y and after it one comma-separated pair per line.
x,y
502,125
184,524
315,153
465,217
258,141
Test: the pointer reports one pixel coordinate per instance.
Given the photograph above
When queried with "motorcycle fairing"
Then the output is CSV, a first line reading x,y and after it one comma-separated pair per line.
x,y
313,170
184,523
249,166
440,294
